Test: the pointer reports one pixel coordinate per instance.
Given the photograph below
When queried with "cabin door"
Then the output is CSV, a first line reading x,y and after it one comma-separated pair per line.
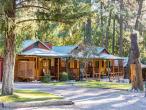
x,y
55,68
45,66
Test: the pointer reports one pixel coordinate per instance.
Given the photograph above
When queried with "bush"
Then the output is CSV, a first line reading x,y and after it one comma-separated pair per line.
x,y
143,60
70,77
63,76
46,78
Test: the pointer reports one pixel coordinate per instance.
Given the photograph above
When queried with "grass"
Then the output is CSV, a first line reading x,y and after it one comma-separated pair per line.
x,y
57,83
100,84
28,95
95,84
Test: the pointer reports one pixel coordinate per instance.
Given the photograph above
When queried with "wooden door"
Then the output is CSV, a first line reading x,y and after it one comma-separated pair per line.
x,y
25,70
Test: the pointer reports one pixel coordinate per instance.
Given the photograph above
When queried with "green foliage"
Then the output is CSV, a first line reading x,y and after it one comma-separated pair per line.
x,y
46,78
143,60
61,22
70,77
63,76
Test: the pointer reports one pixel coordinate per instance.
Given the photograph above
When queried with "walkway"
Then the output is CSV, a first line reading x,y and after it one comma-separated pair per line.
x,y
89,98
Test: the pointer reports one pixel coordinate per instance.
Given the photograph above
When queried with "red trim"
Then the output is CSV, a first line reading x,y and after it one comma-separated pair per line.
x,y
104,51
40,45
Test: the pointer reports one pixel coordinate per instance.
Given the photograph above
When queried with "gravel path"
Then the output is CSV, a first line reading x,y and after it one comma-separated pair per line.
x,y
89,98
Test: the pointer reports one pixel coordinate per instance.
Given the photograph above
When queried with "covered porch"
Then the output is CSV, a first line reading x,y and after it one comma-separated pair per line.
x,y
35,63
98,67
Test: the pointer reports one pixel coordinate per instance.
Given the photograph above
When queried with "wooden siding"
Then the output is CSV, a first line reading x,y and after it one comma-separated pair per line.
x,y
25,70
35,45
41,67
54,66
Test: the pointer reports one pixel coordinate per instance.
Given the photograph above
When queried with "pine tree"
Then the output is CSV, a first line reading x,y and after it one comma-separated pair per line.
x,y
64,11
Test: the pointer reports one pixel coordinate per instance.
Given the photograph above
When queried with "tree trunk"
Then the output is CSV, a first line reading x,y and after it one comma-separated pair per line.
x,y
127,73
137,81
101,20
107,31
113,38
114,29
88,36
9,57
121,29
140,2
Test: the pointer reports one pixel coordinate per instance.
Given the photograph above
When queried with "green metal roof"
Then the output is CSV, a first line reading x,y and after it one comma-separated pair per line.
x,y
43,52
67,49
64,49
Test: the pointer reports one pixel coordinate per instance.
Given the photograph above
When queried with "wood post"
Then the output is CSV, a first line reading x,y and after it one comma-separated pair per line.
x,y
113,67
100,66
93,68
78,67
122,69
36,69
58,69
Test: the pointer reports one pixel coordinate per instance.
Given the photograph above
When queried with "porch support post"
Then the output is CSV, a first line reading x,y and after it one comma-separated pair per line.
x,y
78,67
93,68
118,69
122,69
100,66
109,69
113,67
58,69
36,69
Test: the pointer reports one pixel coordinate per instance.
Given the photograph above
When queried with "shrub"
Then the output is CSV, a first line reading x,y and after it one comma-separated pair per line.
x,y
143,60
46,78
70,77
63,76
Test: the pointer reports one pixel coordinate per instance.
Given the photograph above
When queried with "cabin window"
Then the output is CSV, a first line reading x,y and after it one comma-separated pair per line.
x,y
75,64
52,62
62,63
45,63
71,64
102,63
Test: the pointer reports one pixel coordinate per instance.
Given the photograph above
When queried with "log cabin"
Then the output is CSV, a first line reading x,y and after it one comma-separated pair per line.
x,y
37,59
96,59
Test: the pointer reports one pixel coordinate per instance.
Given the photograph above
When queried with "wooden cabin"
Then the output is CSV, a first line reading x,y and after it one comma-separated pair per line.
x,y
34,67
95,68
98,62
95,65
37,59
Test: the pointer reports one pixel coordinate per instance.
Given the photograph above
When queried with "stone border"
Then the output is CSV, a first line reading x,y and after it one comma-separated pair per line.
x,y
36,104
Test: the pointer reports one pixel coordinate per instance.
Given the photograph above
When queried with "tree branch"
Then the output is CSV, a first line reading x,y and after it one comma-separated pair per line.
x,y
31,6
35,19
